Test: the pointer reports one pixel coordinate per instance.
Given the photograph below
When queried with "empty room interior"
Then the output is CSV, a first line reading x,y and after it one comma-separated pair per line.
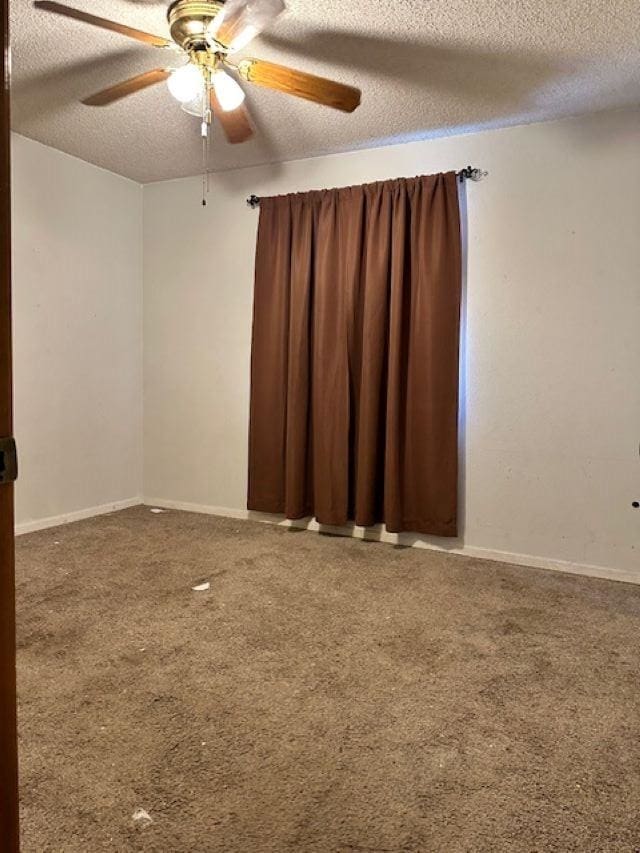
x,y
326,337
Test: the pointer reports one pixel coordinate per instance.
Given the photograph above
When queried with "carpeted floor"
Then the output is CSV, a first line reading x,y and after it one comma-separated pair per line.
x,y
325,694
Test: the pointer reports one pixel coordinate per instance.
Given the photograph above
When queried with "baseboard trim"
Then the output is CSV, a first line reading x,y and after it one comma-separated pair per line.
x,y
379,534
77,515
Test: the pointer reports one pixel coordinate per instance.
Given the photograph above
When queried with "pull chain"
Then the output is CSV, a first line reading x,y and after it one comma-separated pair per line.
x,y
205,145
206,142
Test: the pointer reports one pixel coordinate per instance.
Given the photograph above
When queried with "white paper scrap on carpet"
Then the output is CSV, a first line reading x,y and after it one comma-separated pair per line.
x,y
142,817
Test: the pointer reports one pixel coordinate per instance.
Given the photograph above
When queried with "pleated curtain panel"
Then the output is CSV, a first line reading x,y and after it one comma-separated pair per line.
x,y
354,364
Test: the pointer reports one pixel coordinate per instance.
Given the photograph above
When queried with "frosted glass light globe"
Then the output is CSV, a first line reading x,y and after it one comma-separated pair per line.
x,y
228,92
186,83
196,106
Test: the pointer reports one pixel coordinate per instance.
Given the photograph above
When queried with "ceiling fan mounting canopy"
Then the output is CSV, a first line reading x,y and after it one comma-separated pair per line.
x,y
191,23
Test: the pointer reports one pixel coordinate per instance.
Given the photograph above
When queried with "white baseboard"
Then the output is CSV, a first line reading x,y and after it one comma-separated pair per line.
x,y
379,534
77,515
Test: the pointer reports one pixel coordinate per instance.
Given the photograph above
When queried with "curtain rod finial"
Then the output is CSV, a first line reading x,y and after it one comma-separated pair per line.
x,y
253,201
472,174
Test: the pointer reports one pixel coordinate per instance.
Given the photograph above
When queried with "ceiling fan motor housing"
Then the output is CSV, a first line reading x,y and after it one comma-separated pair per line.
x,y
189,22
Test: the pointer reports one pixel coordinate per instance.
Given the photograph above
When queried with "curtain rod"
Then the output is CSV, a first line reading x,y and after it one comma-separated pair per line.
x,y
469,173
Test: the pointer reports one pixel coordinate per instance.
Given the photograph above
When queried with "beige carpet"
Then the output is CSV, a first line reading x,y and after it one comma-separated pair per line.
x,y
325,694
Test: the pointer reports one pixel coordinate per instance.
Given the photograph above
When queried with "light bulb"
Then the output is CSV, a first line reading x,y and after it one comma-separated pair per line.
x,y
228,93
186,83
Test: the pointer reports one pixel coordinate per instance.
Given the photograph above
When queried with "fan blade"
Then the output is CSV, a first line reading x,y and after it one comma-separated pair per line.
x,y
104,23
239,21
298,83
236,124
127,87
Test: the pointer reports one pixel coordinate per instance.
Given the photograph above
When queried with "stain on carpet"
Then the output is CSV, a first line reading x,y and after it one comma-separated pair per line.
x,y
324,694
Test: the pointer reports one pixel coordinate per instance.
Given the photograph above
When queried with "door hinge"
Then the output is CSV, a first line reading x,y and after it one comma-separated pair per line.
x,y
8,460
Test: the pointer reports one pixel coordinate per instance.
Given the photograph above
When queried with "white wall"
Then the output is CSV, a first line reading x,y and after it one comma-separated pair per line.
x,y
77,291
552,332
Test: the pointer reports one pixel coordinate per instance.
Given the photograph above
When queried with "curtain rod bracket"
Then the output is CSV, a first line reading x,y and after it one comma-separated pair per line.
x,y
469,173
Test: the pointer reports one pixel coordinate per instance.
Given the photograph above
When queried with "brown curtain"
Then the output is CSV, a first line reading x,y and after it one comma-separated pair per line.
x,y
354,365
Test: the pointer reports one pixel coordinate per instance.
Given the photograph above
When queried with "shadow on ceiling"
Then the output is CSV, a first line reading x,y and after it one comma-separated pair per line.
x,y
484,75
50,91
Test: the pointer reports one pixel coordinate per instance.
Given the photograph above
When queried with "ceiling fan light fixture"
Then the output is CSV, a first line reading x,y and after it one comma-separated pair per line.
x,y
186,83
229,94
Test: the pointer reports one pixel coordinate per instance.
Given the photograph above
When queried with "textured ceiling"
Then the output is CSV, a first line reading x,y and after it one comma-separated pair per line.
x,y
425,67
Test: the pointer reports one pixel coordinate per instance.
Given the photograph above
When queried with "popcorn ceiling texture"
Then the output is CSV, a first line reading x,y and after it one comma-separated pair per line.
x,y
445,66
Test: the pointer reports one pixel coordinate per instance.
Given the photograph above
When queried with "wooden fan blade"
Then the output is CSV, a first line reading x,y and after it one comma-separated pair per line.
x,y
236,124
298,83
240,21
127,87
104,23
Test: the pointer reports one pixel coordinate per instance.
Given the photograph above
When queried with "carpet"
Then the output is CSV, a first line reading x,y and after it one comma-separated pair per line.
x,y
324,694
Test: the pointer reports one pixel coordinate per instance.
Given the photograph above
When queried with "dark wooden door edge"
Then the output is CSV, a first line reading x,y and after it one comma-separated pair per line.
x,y
9,842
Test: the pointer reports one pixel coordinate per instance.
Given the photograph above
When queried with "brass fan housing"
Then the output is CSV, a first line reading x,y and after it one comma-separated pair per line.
x,y
189,22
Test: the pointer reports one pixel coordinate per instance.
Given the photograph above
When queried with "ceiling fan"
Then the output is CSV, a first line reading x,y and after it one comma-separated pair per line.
x,y
207,33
